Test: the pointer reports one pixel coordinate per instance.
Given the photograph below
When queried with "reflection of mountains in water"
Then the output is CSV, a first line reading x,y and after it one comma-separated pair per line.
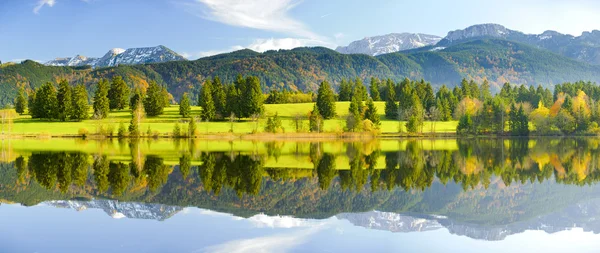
x,y
584,215
119,210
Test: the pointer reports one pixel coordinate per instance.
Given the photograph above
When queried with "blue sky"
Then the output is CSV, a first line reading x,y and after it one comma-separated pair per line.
x,y
46,29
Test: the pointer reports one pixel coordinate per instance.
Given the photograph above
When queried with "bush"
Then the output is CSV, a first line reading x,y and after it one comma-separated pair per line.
x,y
122,132
176,131
83,132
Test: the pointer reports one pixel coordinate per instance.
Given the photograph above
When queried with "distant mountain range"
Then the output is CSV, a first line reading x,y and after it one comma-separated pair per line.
x,y
389,43
483,52
118,56
118,210
585,48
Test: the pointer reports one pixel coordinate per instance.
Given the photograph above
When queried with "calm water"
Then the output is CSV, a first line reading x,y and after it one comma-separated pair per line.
x,y
493,195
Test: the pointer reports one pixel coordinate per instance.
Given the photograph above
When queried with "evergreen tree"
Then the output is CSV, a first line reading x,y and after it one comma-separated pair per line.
x,y
206,102
219,97
46,103
345,93
154,101
101,103
374,89
315,120
166,97
233,101
184,106
360,90
136,99
21,102
416,116
192,128
252,104
65,101
80,103
371,113
118,93
391,108
326,101
31,107
354,119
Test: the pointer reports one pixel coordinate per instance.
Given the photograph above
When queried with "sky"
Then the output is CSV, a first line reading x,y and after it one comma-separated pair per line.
x,y
45,29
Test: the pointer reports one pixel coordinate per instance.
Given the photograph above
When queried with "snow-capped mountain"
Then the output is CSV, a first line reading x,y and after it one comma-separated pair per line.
x,y
584,215
585,48
117,56
120,210
389,43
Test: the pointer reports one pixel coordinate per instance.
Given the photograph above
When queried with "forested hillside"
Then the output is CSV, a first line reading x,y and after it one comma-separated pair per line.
x,y
499,61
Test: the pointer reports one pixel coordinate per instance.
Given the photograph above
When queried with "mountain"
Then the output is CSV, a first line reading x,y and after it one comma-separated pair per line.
x,y
120,210
118,56
496,60
389,43
584,48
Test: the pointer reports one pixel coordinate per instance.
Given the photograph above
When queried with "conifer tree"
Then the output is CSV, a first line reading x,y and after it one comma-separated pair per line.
x,y
184,106
315,120
374,89
65,101
46,103
206,102
21,102
101,103
391,108
326,101
118,93
154,101
252,104
80,103
136,99
219,97
371,113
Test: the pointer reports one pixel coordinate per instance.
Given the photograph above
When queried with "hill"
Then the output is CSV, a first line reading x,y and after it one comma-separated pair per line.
x,y
304,68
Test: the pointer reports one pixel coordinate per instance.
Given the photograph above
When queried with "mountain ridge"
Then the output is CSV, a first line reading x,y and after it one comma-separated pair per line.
x,y
389,43
118,56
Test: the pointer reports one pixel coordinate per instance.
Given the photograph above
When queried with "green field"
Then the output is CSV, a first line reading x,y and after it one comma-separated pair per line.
x,y
24,125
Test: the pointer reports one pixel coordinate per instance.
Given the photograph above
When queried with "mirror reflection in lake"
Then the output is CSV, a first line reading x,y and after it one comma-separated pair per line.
x,y
66,195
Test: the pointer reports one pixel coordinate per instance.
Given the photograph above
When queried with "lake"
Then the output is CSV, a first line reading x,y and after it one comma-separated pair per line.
x,y
417,195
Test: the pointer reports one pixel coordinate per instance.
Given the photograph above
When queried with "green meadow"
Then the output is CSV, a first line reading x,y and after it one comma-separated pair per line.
x,y
164,124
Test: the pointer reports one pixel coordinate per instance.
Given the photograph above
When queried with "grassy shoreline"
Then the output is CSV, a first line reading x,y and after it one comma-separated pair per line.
x,y
162,126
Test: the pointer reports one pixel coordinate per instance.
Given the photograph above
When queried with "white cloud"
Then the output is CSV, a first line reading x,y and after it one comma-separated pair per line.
x,y
41,4
275,243
262,45
269,15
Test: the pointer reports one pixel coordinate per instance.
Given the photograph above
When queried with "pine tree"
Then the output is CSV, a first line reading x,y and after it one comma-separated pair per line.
x,y
80,103
184,106
118,93
315,120
101,103
219,97
374,89
136,99
192,129
21,102
31,107
166,97
233,100
65,101
326,101
371,113
206,102
345,93
154,102
46,103
252,104
416,116
391,108
354,119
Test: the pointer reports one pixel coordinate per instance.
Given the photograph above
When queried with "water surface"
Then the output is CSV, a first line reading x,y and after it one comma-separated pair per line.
x,y
498,195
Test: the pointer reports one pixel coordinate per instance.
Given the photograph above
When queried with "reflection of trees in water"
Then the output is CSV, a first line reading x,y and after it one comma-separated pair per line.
x,y
475,163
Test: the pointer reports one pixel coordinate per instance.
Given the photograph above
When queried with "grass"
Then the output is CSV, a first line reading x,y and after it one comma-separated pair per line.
x,y
164,124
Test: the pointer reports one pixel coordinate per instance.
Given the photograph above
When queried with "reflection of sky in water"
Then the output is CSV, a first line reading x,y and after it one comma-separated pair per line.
x,y
49,229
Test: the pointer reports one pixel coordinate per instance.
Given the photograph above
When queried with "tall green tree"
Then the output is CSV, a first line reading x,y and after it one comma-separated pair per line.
x,y
219,97
391,108
374,89
416,116
136,99
118,93
253,101
20,101
101,103
46,103
184,106
80,103
326,100
371,112
154,102
65,101
345,93
315,120
354,119
206,102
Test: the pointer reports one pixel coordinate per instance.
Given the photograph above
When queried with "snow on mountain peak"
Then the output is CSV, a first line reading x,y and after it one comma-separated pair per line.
x,y
117,56
389,43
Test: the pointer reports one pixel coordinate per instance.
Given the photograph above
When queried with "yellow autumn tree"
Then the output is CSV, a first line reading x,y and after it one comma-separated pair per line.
x,y
540,118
